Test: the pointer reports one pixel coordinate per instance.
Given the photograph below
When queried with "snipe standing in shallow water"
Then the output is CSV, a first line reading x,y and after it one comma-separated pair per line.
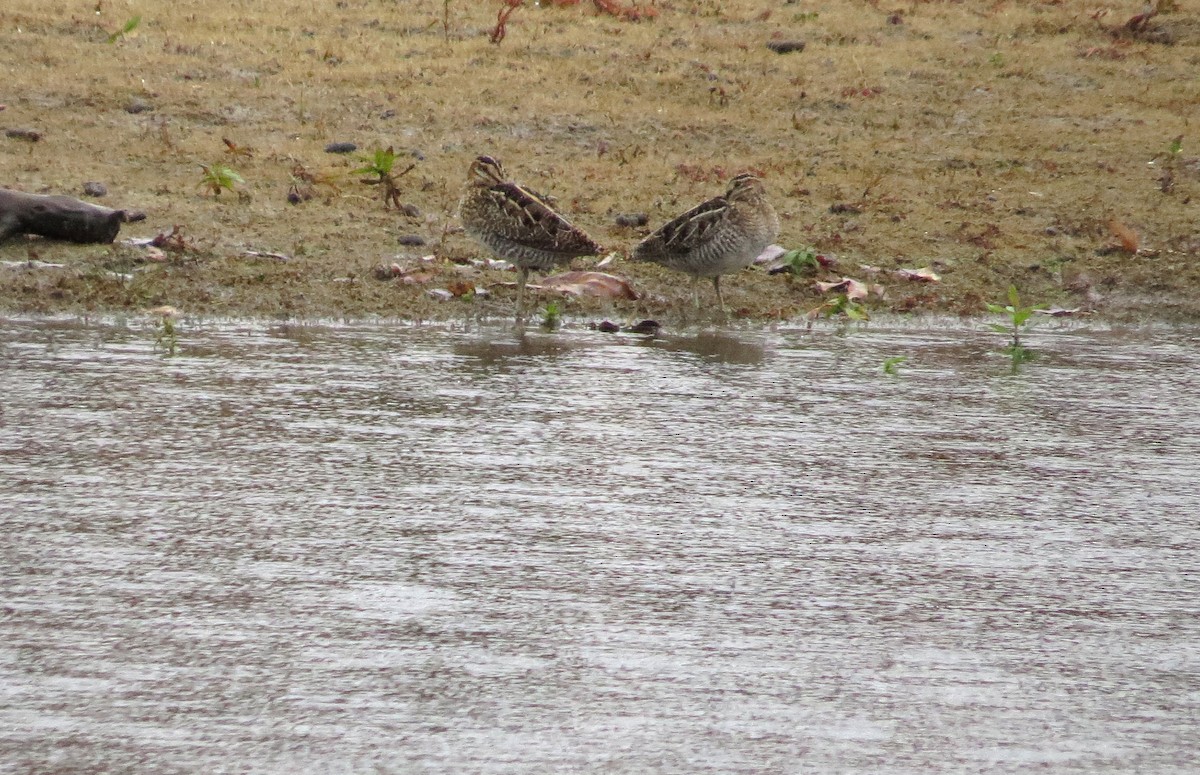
x,y
517,225
718,237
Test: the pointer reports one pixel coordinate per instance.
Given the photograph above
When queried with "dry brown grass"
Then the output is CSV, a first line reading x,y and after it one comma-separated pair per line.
x,y
997,142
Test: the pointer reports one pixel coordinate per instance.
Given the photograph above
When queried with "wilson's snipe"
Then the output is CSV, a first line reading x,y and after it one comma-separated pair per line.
x,y
517,225
721,236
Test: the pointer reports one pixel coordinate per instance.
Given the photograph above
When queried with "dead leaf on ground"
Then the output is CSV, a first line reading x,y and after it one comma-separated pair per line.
x,y
847,285
606,286
461,288
416,278
770,253
922,275
173,240
1126,236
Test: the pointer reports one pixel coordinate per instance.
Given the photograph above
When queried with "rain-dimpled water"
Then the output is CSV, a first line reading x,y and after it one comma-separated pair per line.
x,y
295,548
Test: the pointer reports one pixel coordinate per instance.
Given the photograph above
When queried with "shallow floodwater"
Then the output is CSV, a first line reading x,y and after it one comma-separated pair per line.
x,y
389,549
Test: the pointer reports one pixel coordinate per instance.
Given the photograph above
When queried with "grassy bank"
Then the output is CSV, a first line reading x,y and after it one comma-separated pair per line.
x,y
1042,145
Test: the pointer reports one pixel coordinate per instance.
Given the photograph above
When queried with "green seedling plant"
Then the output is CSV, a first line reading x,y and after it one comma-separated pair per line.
x,y
892,365
380,164
218,177
1170,164
842,306
129,27
801,260
1018,322
552,317
167,339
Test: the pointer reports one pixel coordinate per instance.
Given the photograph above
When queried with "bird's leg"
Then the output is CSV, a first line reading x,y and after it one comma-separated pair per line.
x,y
720,300
524,277
696,291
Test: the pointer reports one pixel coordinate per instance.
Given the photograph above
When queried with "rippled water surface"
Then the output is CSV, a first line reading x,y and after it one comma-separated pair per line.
x,y
392,549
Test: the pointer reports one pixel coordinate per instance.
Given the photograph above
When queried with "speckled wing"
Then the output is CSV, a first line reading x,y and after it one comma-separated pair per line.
x,y
527,220
685,233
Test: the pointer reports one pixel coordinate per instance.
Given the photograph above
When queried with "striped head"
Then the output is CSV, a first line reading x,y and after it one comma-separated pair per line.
x,y
745,187
485,172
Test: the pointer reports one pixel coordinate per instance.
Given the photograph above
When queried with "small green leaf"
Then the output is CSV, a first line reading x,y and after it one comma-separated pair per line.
x,y
856,312
889,366
801,259
552,316
1013,297
999,328
996,309
130,26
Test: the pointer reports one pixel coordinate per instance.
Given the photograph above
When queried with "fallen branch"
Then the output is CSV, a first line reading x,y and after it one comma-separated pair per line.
x,y
60,217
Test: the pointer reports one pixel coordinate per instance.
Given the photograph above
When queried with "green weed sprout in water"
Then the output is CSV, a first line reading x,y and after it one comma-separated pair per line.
x,y
892,365
842,306
552,318
1018,321
166,339
129,27
380,164
218,177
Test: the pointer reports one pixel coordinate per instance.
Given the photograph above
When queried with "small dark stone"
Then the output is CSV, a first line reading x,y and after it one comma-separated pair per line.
x,y
341,148
786,46
896,18
389,113
294,197
645,327
632,219
844,209
94,188
411,240
137,105
32,135
607,327
410,210
416,154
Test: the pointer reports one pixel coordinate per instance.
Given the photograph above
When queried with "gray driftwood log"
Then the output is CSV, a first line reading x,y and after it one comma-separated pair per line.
x,y
60,217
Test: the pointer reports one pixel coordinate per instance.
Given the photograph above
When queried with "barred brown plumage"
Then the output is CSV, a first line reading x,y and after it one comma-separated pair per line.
x,y
718,237
517,224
